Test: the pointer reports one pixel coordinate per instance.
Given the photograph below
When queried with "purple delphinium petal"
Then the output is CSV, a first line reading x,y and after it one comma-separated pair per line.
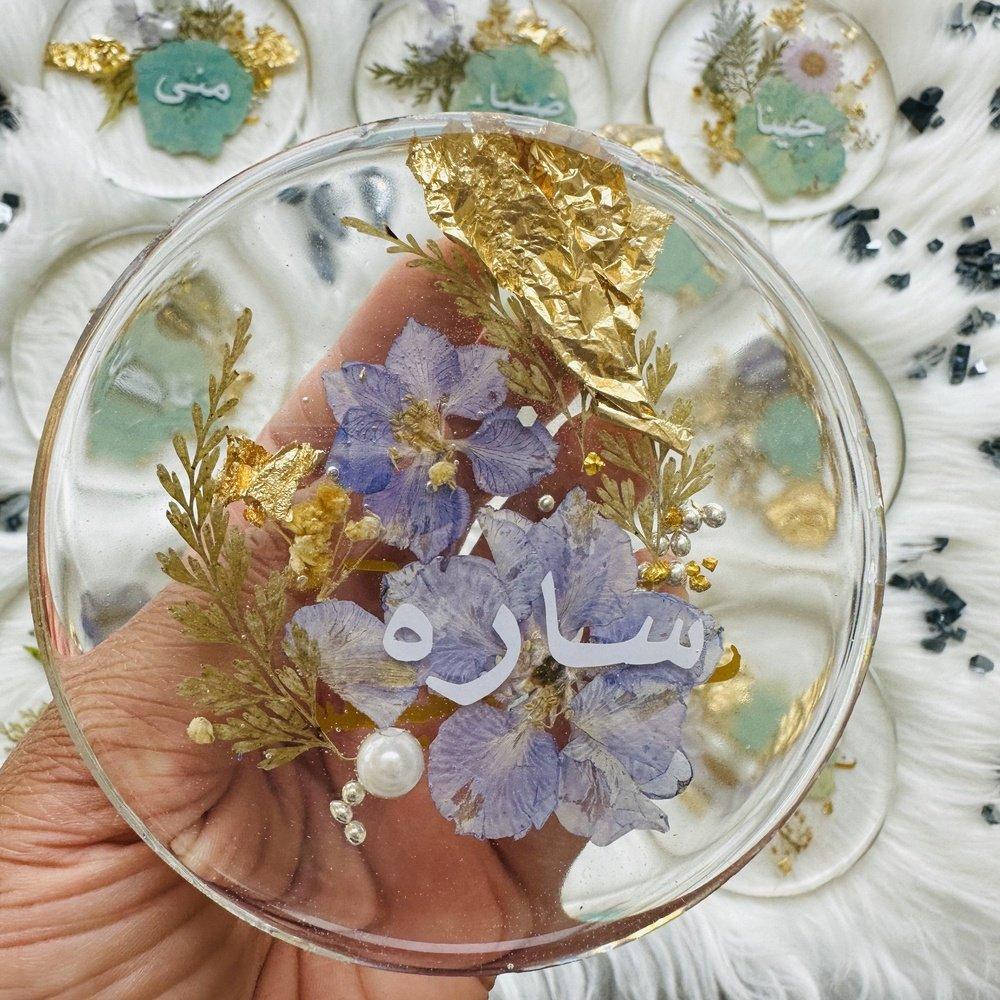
x,y
508,535
419,518
491,774
354,664
361,384
507,457
591,562
635,715
597,798
359,457
425,361
665,609
481,387
460,596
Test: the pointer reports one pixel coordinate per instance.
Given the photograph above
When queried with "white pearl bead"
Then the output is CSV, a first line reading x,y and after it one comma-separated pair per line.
x,y
390,763
677,574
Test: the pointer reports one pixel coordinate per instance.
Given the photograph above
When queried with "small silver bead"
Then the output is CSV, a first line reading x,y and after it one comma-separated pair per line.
x,y
680,544
341,811
355,833
547,503
677,574
690,518
353,793
713,514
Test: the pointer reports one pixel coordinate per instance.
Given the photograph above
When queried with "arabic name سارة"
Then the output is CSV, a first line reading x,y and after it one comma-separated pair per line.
x,y
571,653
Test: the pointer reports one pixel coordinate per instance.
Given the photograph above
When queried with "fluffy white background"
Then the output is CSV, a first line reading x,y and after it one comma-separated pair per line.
x,y
919,916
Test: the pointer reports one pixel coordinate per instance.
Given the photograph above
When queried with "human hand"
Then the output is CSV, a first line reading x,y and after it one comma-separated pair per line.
x,y
87,910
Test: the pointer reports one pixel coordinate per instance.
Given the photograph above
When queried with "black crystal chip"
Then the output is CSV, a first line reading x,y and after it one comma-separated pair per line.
x,y
974,249
14,511
934,246
898,281
918,113
858,244
967,222
934,644
980,664
843,216
896,236
991,814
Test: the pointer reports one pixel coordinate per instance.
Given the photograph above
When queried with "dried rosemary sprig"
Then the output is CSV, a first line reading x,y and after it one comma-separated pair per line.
x,y
668,479
425,74
261,702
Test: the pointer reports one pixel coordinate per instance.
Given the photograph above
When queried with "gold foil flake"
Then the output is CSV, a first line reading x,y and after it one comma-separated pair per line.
x,y
788,18
492,32
710,563
654,574
557,230
500,29
592,463
804,514
265,55
645,140
99,58
266,483
798,716
728,666
721,146
529,27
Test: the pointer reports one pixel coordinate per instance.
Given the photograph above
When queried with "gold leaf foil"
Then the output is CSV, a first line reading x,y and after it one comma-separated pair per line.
x,y
266,483
557,229
99,58
532,28
267,53
804,514
645,140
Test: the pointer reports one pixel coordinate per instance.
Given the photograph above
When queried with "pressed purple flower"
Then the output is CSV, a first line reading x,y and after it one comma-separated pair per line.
x,y
492,775
491,768
394,442
353,662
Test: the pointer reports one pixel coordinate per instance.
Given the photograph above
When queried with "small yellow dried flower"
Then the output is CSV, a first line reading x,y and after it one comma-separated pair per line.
x,y
365,529
592,463
327,506
312,521
201,730
442,473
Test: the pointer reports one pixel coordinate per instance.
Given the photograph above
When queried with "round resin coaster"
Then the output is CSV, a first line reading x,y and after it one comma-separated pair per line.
x,y
795,97
841,816
179,96
482,55
430,639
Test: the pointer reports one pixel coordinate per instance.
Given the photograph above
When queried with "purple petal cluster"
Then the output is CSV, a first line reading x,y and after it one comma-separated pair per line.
x,y
395,430
496,769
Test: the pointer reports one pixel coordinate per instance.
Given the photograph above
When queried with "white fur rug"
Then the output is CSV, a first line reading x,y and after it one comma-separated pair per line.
x,y
919,916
